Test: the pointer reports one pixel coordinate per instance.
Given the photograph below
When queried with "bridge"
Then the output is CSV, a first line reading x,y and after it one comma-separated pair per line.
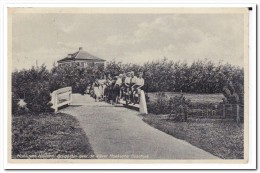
x,y
117,132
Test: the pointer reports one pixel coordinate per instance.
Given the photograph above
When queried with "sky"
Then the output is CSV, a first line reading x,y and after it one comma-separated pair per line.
x,y
134,38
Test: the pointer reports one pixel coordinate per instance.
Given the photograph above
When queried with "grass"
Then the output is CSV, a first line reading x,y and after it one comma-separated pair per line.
x,y
195,98
49,136
220,137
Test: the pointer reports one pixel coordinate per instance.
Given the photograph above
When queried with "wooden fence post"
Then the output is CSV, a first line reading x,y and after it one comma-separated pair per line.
x,y
238,116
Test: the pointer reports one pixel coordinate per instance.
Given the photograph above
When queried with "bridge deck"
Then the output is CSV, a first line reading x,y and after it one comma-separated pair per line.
x,y
118,133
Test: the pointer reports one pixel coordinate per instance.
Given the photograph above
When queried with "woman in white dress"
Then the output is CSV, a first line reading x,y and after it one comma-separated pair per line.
x,y
102,86
96,90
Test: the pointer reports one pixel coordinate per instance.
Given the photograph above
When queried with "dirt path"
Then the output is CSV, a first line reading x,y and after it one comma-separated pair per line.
x,y
117,132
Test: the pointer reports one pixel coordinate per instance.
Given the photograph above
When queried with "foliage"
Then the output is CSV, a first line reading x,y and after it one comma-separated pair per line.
x,y
77,77
177,106
198,77
31,85
36,84
180,107
160,105
233,93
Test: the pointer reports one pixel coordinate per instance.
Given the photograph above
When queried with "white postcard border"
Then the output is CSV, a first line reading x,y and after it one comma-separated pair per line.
x,y
252,96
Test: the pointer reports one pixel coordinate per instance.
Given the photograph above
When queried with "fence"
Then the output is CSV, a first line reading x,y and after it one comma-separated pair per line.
x,y
217,111
61,97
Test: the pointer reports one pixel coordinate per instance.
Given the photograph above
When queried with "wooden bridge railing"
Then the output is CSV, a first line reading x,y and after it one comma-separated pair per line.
x,y
61,97
141,107
142,103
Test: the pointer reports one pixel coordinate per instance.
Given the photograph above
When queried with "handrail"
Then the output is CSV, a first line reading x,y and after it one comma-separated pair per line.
x,y
142,103
61,92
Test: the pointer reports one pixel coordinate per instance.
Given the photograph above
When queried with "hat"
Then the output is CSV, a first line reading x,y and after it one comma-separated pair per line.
x,y
120,75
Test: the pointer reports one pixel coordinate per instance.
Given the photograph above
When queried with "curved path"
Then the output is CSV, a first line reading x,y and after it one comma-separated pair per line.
x,y
120,133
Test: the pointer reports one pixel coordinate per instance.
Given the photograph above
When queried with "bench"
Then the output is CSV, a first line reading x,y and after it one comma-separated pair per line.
x,y
61,97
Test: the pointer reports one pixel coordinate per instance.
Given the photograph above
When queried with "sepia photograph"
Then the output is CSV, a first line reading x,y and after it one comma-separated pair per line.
x,y
128,84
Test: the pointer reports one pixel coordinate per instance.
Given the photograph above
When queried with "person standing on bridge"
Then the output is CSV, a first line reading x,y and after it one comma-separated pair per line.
x,y
137,87
132,83
102,82
116,89
108,88
96,90
127,87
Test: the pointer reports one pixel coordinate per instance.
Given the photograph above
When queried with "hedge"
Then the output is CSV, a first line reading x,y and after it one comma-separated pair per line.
x,y
36,84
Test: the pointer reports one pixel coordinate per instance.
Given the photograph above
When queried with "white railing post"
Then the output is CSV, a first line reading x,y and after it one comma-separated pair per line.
x,y
56,102
142,103
70,97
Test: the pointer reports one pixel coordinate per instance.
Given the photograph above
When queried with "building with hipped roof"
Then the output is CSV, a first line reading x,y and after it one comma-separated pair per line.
x,y
82,58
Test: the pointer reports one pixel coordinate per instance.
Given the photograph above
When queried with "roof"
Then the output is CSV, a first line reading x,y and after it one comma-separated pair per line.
x,y
81,55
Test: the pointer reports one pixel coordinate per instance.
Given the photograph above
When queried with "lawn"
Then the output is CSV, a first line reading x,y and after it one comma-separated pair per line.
x,y
221,137
49,136
195,98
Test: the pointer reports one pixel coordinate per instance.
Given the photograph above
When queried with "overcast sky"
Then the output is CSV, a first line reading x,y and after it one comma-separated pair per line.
x,y
133,38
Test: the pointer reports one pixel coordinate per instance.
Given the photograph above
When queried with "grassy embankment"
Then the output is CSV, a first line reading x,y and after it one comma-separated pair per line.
x,y
221,137
49,136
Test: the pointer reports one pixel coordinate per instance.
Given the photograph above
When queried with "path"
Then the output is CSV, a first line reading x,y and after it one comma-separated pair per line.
x,y
117,132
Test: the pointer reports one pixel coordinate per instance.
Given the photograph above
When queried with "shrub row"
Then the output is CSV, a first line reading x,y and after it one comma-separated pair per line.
x,y
168,76
36,84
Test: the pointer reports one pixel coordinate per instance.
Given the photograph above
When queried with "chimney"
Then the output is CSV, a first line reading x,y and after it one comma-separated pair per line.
x,y
80,48
69,56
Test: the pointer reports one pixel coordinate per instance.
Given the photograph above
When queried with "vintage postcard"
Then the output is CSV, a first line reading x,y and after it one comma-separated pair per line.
x,y
128,85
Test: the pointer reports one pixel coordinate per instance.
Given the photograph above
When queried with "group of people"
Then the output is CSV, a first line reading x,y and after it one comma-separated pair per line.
x,y
124,86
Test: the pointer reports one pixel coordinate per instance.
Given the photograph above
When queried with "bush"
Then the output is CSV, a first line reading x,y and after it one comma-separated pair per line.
x,y
180,107
176,105
33,86
160,105
15,107
165,105
38,99
75,76
234,93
